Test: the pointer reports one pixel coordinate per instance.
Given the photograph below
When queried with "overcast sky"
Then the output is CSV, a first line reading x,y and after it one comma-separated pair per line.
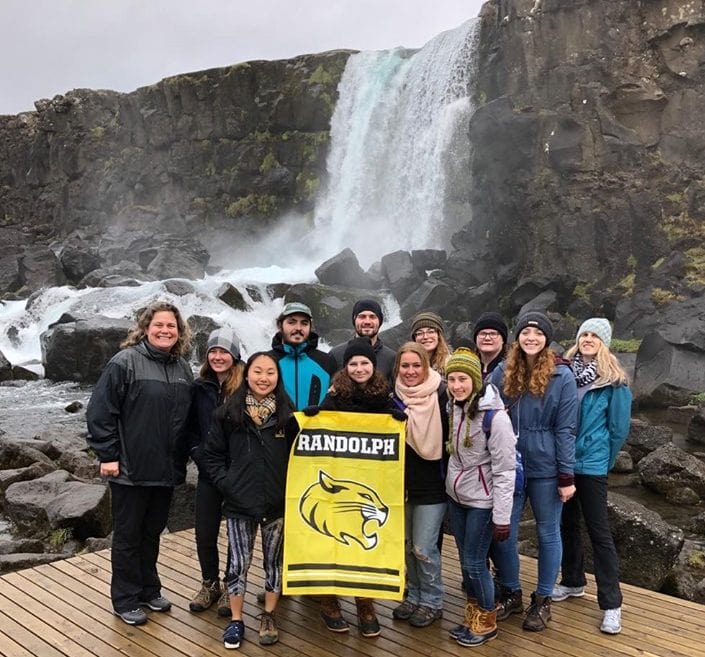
x,y
52,46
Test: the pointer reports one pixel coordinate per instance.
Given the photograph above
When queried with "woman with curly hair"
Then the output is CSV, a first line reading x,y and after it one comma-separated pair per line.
x,y
136,420
605,413
427,329
358,388
539,390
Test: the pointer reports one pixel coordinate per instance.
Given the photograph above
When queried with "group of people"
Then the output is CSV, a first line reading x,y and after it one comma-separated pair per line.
x,y
488,427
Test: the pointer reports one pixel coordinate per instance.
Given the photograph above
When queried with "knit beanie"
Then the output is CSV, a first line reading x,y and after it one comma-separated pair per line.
x,y
466,361
427,320
599,326
367,304
225,338
360,347
491,321
537,320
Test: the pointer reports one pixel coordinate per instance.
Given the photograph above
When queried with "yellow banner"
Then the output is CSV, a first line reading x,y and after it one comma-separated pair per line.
x,y
344,518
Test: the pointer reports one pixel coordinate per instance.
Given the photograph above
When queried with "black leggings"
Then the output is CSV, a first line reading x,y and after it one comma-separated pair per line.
x,y
209,503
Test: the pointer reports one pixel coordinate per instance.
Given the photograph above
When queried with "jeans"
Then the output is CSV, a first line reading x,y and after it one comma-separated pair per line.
x,y
209,502
472,529
423,559
590,498
546,507
140,514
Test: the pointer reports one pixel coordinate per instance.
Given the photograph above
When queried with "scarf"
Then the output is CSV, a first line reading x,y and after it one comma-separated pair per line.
x,y
584,374
424,432
260,411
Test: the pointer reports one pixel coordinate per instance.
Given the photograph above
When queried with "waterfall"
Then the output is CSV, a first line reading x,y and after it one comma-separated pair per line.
x,y
400,122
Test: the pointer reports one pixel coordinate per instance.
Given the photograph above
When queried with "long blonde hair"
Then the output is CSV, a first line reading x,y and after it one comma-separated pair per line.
x,y
609,370
440,355
231,382
137,334
519,377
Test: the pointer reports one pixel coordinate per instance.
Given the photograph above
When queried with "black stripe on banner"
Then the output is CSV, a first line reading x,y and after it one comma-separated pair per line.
x,y
343,584
335,566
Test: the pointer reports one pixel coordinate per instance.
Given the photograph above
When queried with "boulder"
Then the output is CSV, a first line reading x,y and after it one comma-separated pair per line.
x,y
401,276
182,512
178,287
79,351
623,464
179,258
668,372
432,295
687,577
20,454
77,262
670,468
39,267
344,270
683,496
21,545
54,501
201,327
644,438
426,260
5,368
696,426
9,272
232,297
125,273
23,560
10,476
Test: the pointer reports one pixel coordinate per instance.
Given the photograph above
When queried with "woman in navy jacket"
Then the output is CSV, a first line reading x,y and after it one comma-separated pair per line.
x,y
603,426
541,397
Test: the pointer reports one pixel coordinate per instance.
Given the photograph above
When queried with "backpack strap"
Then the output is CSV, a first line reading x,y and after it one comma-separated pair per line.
x,y
487,421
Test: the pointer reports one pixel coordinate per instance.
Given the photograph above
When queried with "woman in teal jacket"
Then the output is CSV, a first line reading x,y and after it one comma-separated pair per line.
x,y
603,426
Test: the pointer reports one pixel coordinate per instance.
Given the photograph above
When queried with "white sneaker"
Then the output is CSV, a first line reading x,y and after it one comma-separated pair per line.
x,y
612,621
561,592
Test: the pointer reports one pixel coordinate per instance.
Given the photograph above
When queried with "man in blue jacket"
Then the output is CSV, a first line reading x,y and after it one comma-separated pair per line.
x,y
305,369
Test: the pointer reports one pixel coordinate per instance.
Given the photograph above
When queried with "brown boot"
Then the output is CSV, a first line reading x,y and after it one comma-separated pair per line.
x,y
331,614
366,617
481,629
538,614
470,609
510,603
206,596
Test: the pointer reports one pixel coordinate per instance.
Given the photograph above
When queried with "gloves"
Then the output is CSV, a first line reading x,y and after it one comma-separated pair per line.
x,y
501,533
310,411
398,414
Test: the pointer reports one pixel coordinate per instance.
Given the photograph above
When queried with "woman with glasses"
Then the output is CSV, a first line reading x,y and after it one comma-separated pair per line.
x,y
490,338
427,329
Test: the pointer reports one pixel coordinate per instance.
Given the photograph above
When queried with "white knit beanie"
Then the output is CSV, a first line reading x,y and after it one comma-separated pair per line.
x,y
599,326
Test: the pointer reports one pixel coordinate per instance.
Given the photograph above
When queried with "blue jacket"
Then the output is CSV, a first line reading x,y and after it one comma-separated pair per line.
x,y
603,427
305,370
545,426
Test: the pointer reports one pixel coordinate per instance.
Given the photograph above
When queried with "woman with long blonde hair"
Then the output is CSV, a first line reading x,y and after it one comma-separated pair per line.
x,y
540,392
427,329
605,413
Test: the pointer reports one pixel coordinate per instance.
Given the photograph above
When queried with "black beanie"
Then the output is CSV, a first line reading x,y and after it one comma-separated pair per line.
x,y
360,347
491,321
367,304
538,320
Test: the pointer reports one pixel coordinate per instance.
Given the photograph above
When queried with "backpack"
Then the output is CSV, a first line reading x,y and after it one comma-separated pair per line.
x,y
519,468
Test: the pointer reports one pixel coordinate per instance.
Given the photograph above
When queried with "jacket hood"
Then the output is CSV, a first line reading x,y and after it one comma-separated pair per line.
x,y
491,399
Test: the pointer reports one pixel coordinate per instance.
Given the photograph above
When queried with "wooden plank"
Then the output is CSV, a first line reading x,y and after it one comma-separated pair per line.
x,y
23,642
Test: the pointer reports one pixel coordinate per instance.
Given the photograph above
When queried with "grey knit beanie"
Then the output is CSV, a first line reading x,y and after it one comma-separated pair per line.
x,y
599,326
225,338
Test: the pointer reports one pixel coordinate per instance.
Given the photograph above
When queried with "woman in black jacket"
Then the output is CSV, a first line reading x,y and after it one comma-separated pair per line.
x,y
246,457
220,376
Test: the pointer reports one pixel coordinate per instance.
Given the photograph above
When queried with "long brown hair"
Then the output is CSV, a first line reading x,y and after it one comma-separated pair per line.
x,y
138,333
519,377
344,387
231,382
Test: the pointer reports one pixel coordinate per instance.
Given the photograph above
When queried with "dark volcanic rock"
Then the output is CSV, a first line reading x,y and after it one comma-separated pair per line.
x,y
696,426
78,262
343,269
644,438
231,296
399,271
669,468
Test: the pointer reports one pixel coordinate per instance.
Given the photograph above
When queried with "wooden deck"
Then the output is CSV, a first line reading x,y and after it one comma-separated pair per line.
x,y
63,609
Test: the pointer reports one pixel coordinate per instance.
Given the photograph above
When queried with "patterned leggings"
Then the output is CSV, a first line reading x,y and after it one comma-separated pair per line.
x,y
241,543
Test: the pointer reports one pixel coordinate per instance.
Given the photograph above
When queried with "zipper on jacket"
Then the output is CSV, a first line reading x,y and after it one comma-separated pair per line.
x,y
457,454
481,479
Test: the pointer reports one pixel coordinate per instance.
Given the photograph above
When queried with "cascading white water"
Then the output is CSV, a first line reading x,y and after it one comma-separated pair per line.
x,y
400,121
399,118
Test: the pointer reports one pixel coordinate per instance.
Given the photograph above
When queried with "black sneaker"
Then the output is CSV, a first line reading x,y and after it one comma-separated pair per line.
x,y
233,635
157,604
133,617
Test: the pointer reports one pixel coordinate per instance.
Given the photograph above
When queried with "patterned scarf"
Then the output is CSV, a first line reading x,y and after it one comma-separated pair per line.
x,y
584,374
424,432
260,411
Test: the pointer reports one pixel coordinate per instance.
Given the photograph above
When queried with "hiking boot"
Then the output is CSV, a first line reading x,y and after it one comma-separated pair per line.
x,y
160,603
268,633
470,607
423,616
404,610
331,614
207,595
538,614
481,629
510,603
612,621
561,592
133,617
367,618
234,634
224,604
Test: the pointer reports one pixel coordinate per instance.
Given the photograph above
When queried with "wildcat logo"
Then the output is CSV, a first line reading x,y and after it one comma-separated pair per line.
x,y
343,510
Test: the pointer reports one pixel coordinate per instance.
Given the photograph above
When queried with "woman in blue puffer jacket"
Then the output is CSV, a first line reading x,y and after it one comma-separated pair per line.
x,y
603,426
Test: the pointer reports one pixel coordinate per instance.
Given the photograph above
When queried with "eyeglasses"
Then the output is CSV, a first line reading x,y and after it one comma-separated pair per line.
x,y
488,335
422,333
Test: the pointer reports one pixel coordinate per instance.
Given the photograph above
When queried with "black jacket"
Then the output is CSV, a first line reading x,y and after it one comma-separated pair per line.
x,y
247,464
137,415
385,357
206,396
